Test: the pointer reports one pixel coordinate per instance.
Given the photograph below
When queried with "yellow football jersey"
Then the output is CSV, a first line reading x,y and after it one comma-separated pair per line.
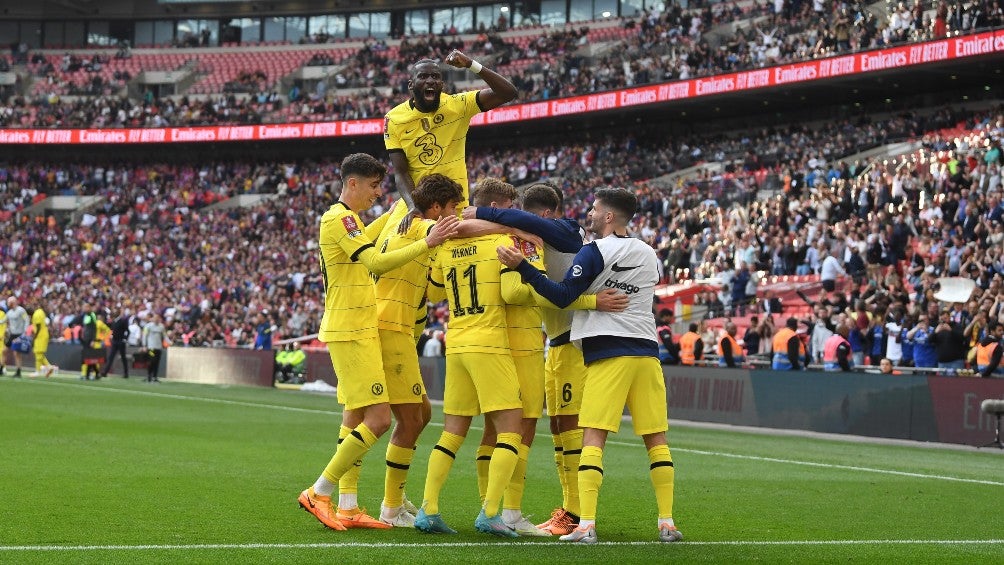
x,y
526,334
433,142
41,325
349,305
3,332
400,293
468,272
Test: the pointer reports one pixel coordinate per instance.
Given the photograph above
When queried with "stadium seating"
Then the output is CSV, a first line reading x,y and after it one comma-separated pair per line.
x,y
752,34
182,209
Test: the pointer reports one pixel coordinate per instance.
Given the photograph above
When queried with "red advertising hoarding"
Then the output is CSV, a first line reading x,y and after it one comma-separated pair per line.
x,y
871,61
956,403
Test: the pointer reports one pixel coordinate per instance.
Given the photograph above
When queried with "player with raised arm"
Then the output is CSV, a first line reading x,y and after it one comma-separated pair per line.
x,y
620,350
428,132
349,326
564,367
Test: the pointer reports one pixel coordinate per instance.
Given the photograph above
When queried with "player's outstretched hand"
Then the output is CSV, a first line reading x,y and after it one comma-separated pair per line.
x,y
444,229
509,256
458,59
527,236
609,300
405,225
469,213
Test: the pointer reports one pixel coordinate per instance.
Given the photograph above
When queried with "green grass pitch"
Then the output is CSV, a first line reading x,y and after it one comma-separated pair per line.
x,y
123,471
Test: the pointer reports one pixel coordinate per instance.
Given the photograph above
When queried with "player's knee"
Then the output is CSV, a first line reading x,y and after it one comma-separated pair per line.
x,y
410,423
553,422
426,411
488,437
567,422
378,420
529,430
507,421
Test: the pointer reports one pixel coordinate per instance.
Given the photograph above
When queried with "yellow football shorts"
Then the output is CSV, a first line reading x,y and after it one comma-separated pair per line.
x,y
564,373
359,368
477,383
400,365
635,382
530,373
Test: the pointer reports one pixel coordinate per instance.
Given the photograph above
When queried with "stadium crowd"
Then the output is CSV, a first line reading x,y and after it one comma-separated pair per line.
x,y
153,246
653,47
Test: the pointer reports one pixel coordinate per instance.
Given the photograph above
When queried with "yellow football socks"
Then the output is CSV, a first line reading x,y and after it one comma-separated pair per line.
x,y
571,441
662,473
348,484
398,462
481,464
500,470
440,462
41,361
590,479
352,448
559,464
513,499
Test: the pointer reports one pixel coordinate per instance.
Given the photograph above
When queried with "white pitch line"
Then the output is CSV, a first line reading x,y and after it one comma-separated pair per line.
x,y
838,466
609,442
378,545
197,398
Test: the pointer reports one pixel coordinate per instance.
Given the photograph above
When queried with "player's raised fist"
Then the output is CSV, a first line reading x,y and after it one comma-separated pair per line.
x,y
458,59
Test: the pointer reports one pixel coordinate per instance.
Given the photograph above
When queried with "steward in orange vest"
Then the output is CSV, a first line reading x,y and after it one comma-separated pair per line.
x,y
691,346
788,348
729,352
988,353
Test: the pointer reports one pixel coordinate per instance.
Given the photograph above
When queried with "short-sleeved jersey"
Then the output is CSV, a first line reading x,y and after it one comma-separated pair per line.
x,y
349,298
618,262
401,292
469,272
526,334
41,324
433,142
562,240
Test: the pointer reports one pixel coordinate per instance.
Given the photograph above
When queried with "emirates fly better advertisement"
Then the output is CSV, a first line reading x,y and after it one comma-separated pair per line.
x,y
867,62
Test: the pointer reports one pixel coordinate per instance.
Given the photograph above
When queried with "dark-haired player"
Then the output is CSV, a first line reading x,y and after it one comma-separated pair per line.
x,y
428,132
349,326
620,351
400,293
